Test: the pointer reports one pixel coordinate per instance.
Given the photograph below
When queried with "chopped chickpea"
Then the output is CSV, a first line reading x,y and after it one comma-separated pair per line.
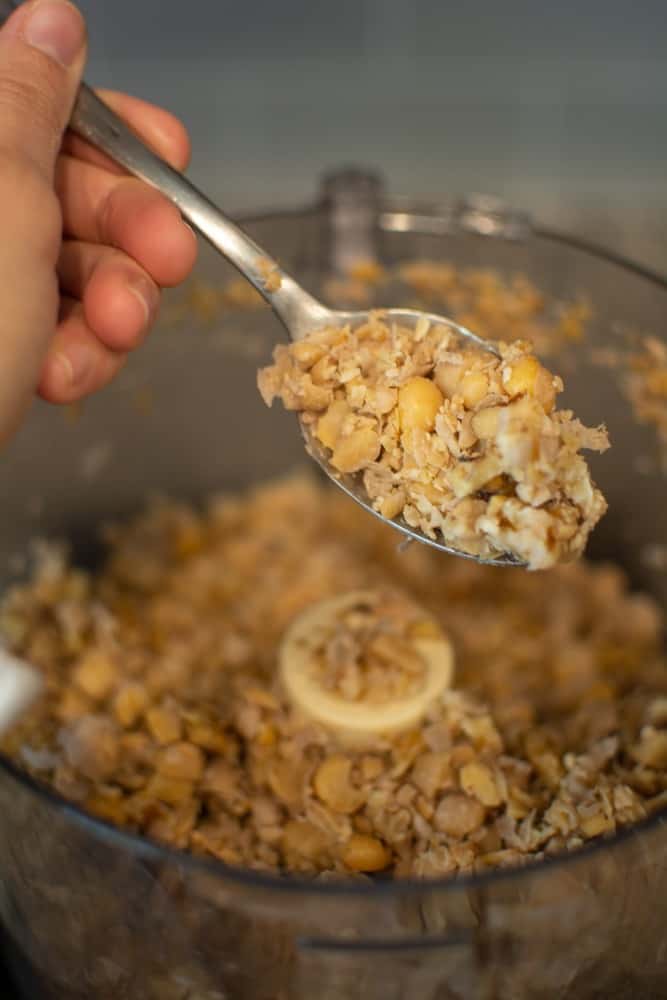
x,y
419,400
528,377
520,377
307,353
356,450
208,737
448,378
95,675
478,780
392,505
164,724
129,704
333,785
458,814
172,791
181,760
286,781
485,422
322,371
330,424
474,387
365,854
432,772
597,824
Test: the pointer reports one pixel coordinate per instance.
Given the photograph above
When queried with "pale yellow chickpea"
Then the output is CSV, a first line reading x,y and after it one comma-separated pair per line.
x,y
474,387
171,791
333,785
182,761
306,353
528,377
485,423
356,450
95,674
129,704
458,814
330,423
519,377
365,854
547,388
322,371
164,724
392,505
478,781
448,378
419,400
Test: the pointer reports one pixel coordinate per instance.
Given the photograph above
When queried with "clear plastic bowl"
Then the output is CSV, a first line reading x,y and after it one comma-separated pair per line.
x,y
92,912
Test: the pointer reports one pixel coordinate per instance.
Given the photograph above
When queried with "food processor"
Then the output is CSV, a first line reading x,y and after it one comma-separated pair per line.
x,y
94,912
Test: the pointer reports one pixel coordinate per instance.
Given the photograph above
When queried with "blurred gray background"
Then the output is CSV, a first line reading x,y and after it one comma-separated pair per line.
x,y
559,108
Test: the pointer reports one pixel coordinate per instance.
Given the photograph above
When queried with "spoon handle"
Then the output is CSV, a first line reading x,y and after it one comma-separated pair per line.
x,y
95,122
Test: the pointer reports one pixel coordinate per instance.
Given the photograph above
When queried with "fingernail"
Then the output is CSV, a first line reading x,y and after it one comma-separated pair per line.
x,y
147,295
56,28
72,368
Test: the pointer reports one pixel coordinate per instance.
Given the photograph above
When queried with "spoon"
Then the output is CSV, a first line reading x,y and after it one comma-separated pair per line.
x,y
298,311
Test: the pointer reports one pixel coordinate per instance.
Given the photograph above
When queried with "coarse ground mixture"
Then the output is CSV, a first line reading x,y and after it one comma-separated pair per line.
x,y
462,443
165,710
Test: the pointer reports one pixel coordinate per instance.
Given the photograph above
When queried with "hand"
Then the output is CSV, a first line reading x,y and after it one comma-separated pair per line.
x,y
85,250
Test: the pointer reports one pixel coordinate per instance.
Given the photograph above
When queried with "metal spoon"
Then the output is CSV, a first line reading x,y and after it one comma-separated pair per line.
x,y
299,312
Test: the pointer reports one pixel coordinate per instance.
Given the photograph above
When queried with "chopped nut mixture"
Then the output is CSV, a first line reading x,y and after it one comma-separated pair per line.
x,y
207,302
460,442
646,384
642,367
165,711
482,300
489,304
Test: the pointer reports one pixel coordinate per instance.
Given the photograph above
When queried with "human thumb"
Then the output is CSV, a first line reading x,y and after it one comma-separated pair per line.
x,y
42,53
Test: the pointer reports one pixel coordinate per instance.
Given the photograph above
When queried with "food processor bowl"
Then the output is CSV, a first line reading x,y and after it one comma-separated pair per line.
x,y
94,912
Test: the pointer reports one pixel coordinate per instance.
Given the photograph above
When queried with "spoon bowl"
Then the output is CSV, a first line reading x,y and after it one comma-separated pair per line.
x,y
351,483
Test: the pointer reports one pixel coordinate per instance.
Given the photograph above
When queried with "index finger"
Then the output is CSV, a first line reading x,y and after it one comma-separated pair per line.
x,y
159,129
